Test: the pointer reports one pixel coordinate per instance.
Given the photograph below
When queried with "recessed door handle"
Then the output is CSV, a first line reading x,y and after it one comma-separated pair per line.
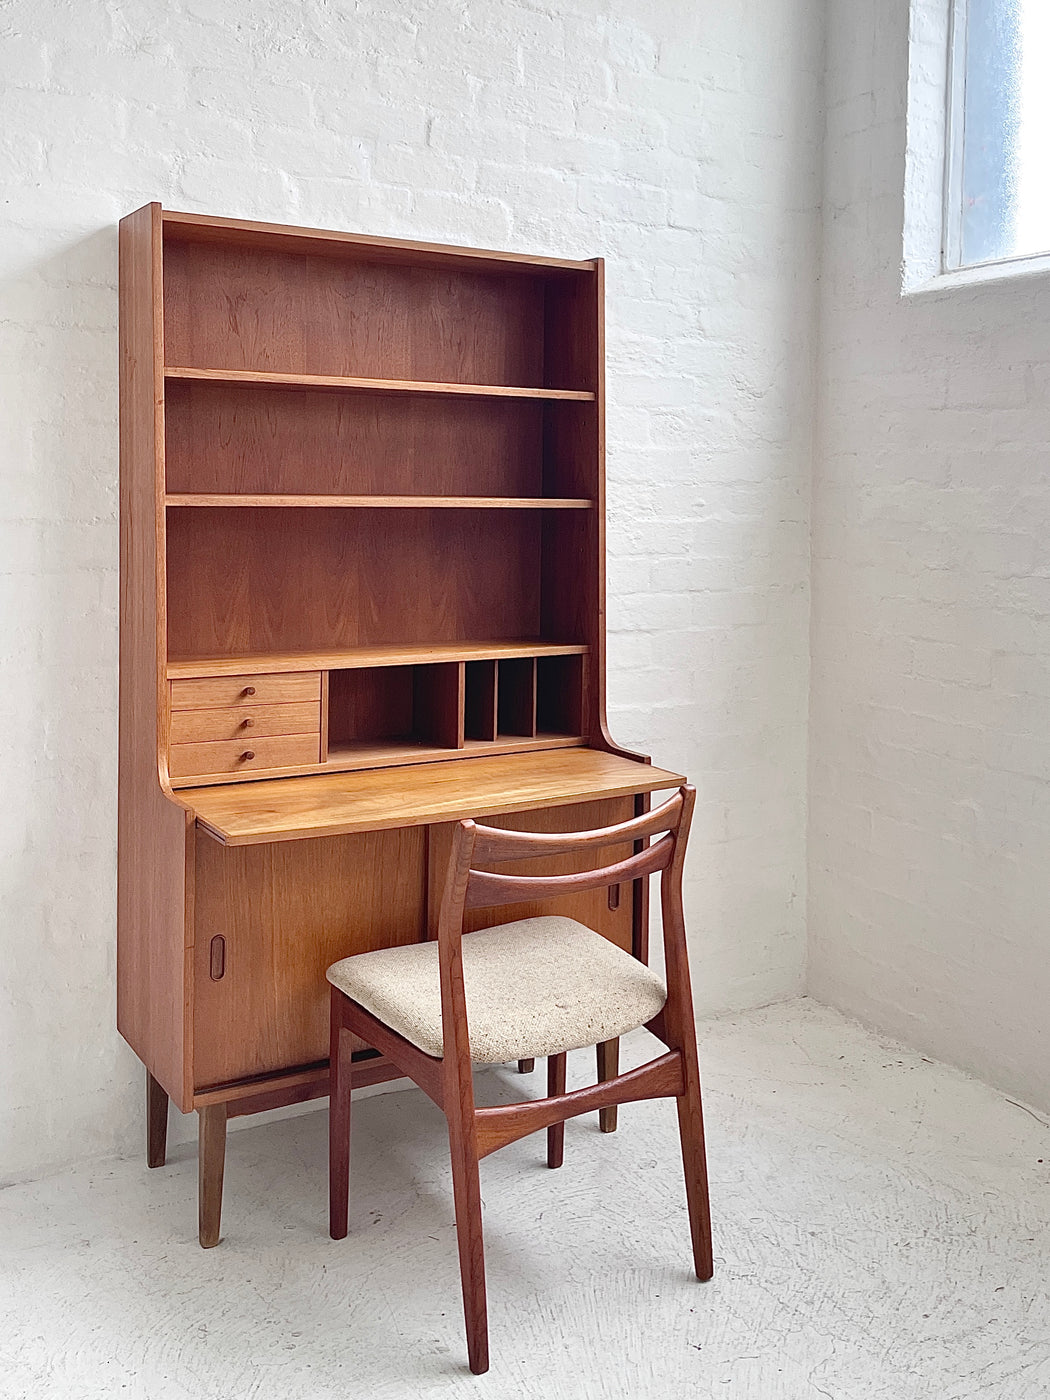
x,y
218,957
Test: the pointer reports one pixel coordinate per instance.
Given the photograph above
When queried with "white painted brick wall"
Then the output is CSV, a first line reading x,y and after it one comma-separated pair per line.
x,y
929,904
680,141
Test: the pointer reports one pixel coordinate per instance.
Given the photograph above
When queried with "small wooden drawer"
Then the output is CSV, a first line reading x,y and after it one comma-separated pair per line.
x,y
244,722
216,692
244,755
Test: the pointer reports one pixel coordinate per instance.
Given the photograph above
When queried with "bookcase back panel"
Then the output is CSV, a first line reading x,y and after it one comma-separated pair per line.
x,y
572,352
229,307
246,581
570,450
228,438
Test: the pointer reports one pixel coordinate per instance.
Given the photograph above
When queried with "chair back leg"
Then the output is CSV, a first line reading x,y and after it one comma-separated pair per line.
x,y
608,1052
466,1189
694,1159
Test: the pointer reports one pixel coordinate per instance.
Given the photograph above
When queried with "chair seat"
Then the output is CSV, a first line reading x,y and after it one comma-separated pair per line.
x,y
535,987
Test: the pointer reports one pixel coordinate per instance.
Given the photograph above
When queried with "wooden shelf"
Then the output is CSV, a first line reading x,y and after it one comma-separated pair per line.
x,y
337,383
289,809
289,238
400,751
186,498
269,663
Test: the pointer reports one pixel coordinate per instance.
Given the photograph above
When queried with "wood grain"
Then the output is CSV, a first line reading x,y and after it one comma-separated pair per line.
x,y
308,374
480,701
397,654
497,1127
375,502
339,1119
200,726
556,1131
256,311
223,437
290,809
493,844
247,754
156,1123
209,228
347,383
516,696
211,1161
474,1133
245,692
678,1026
608,1066
154,858
488,890
561,694
244,581
287,911
406,752
589,907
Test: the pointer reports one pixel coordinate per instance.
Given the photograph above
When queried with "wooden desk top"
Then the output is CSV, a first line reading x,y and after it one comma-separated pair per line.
x,y
331,804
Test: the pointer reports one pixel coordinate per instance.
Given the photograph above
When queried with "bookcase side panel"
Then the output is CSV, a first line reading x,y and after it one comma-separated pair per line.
x,y
154,883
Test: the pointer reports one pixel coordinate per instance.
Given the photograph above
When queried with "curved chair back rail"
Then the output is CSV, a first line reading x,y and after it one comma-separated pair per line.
x,y
492,844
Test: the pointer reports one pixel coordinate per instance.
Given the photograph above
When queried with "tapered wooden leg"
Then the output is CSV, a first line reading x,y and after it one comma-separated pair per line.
x,y
156,1123
338,1125
211,1159
526,1066
556,1132
466,1186
694,1160
608,1068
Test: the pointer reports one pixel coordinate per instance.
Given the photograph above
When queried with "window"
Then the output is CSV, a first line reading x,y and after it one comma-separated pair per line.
x,y
998,153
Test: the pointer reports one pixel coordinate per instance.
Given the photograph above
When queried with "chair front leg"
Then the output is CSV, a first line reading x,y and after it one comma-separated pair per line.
x,y
556,1132
339,1089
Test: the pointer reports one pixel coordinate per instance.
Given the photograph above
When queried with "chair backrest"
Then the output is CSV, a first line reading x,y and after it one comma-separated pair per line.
x,y
467,887
492,846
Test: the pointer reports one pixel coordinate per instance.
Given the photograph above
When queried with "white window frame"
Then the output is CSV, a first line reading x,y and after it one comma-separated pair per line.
x,y
954,136
933,165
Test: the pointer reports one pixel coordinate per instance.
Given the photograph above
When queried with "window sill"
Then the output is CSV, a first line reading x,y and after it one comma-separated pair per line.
x,y
1009,270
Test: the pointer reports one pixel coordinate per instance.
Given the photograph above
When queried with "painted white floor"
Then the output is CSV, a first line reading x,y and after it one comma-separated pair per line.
x,y
881,1233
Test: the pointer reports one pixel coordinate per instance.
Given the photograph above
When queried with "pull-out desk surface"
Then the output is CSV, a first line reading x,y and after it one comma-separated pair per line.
x,y
291,809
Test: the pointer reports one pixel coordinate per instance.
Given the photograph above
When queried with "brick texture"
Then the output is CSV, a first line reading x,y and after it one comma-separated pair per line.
x,y
680,141
930,739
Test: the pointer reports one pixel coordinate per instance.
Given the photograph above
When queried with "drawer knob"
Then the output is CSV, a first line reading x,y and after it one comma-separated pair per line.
x,y
248,690
248,754
247,723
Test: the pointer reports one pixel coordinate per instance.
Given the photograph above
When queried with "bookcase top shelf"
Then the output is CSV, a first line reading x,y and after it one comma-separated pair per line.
x,y
237,501
268,663
336,383
289,238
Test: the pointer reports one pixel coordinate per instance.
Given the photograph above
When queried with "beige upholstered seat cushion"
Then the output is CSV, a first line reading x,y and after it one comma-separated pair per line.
x,y
535,987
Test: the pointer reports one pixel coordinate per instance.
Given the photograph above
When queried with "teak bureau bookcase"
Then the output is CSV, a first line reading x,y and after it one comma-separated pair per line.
x,y
362,597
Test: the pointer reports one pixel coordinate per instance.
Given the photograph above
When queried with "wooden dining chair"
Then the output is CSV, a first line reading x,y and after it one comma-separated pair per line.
x,y
536,987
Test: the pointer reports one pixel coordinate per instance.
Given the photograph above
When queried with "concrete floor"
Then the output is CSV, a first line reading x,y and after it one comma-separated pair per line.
x,y
881,1233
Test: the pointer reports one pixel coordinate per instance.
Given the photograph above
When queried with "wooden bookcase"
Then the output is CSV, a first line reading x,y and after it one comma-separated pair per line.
x,y
362,506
